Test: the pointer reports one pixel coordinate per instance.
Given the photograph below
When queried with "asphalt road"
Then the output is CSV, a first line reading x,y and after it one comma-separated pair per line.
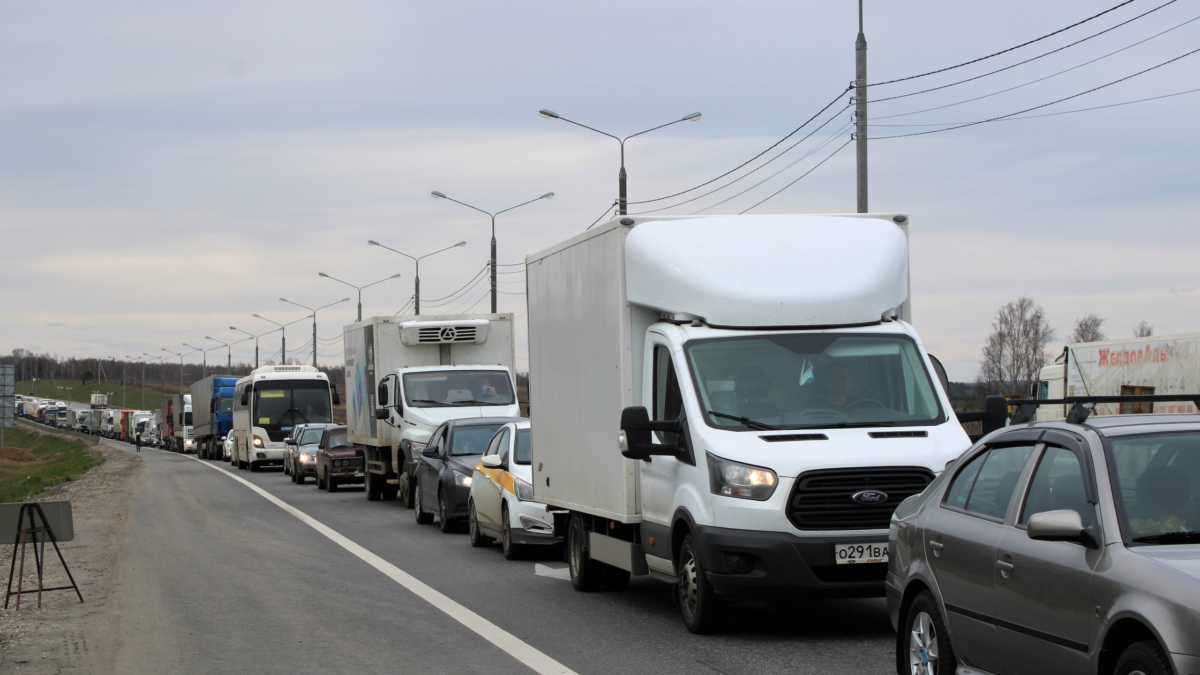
x,y
216,578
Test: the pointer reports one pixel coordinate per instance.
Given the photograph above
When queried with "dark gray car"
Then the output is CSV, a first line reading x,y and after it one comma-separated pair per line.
x,y
1054,547
300,460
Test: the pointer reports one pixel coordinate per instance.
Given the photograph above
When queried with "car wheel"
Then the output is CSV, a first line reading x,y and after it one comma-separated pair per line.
x,y
410,490
422,517
331,483
1144,657
511,551
701,608
478,540
585,572
923,646
298,477
320,485
445,522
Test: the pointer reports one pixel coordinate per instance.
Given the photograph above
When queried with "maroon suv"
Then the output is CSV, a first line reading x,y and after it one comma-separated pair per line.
x,y
338,460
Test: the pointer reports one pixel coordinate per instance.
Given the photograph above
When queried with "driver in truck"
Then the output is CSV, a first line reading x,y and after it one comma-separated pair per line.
x,y
751,386
487,391
834,380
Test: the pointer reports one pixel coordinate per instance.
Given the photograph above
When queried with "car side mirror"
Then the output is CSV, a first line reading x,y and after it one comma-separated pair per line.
x,y
635,440
381,413
492,462
289,440
429,451
1064,525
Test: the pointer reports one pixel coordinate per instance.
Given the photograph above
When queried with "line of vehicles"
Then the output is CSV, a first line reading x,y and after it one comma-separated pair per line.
x,y
741,408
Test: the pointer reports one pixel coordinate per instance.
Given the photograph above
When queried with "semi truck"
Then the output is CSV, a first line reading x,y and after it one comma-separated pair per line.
x,y
733,405
176,412
134,422
1167,364
212,414
88,421
406,376
269,403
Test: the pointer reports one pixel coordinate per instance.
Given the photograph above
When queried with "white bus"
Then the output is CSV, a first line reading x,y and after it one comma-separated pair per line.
x,y
268,403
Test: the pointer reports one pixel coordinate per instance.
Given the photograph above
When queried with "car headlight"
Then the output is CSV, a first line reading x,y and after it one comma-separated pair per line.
x,y
523,490
258,441
462,480
305,458
731,479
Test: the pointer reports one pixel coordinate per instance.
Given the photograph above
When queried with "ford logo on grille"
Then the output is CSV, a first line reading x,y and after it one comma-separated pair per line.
x,y
869,497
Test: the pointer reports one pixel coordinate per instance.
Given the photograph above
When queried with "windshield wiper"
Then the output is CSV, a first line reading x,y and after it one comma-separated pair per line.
x,y
1169,538
427,400
745,420
847,425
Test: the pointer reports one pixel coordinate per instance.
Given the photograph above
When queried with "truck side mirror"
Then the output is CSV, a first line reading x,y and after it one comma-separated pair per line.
x,y
995,410
383,395
337,398
635,440
381,413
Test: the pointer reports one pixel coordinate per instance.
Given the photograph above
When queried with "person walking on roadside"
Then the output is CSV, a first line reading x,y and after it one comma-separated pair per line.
x,y
137,437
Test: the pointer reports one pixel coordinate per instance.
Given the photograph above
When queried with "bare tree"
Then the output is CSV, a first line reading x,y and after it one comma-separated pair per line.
x,y
1143,329
1087,329
1016,348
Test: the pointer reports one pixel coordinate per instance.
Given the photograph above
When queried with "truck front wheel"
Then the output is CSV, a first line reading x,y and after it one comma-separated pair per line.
x,y
701,607
585,572
373,490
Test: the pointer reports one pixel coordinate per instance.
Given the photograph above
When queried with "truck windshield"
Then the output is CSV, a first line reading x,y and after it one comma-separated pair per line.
x,y
225,405
187,419
1156,483
813,380
280,405
441,388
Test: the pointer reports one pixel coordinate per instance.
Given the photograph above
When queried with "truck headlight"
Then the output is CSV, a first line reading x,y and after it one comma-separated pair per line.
x,y
523,490
731,479
258,441
463,480
188,442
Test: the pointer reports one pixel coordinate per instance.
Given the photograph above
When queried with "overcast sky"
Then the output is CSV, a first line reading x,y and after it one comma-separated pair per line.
x,y
169,169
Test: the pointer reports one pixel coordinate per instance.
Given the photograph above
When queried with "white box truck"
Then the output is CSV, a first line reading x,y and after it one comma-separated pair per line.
x,y
405,376
99,401
1150,366
732,404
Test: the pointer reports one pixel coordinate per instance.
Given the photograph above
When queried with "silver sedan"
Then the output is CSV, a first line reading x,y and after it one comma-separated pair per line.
x,y
1055,548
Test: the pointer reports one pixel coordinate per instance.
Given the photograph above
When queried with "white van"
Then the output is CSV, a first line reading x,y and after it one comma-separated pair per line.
x,y
268,403
732,404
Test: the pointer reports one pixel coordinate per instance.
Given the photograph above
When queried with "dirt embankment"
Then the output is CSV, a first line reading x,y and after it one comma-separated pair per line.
x,y
64,635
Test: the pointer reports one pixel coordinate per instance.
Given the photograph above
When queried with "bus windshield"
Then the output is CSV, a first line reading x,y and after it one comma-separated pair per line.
x,y
280,405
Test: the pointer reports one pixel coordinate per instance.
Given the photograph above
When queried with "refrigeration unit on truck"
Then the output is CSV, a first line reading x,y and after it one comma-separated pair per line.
x,y
268,404
405,377
212,414
1167,364
732,404
176,412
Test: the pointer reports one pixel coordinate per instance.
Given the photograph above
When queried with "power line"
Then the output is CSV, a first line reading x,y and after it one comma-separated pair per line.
x,y
752,171
485,268
1002,91
1044,105
459,310
458,295
772,147
848,142
1005,51
600,218
1021,63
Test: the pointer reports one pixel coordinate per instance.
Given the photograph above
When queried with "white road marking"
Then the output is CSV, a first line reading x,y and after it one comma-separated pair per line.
x,y
519,650
552,572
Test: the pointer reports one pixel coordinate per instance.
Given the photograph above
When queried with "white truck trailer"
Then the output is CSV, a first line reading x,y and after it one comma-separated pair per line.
x,y
732,404
406,376
1167,364
99,401
268,403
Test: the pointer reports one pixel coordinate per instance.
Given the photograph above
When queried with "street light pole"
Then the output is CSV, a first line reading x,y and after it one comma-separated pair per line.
x,y
417,260
135,360
860,111
548,195
314,318
255,344
228,354
358,288
621,176
204,358
180,355
162,374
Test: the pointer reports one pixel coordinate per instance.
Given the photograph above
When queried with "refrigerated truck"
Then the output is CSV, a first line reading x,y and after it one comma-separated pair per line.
x,y
1164,364
99,401
212,414
269,403
733,404
177,416
406,376
134,422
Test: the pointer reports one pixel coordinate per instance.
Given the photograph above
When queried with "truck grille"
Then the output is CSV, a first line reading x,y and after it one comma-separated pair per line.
x,y
821,500
446,334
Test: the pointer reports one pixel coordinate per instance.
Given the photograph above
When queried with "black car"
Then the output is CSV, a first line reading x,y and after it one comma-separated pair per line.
x,y
445,467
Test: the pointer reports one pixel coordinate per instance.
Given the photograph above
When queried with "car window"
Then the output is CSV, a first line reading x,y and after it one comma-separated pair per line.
x,y
668,401
471,440
504,445
960,489
1058,484
1157,482
524,453
435,441
311,436
997,480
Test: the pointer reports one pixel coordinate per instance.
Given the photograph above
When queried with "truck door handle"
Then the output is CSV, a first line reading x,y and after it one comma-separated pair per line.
x,y
1006,566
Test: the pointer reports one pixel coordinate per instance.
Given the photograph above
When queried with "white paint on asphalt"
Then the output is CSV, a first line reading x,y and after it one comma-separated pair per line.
x,y
552,572
519,650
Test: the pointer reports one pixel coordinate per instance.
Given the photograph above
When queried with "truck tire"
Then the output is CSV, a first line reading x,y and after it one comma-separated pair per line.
x,y
388,492
478,540
373,490
702,609
422,517
585,572
254,467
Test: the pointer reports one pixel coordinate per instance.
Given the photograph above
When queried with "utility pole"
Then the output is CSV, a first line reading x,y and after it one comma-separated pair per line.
x,y
860,110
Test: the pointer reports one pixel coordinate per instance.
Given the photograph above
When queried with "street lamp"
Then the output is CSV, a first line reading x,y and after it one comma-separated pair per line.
x,y
621,201
255,343
314,318
417,260
359,288
180,355
441,195
135,359
203,357
283,331
228,354
162,375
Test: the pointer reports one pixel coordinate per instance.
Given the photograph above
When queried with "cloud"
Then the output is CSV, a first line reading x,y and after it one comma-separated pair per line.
x,y
55,324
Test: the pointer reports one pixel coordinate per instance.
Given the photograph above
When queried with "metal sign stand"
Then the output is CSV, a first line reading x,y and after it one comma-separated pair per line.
x,y
42,532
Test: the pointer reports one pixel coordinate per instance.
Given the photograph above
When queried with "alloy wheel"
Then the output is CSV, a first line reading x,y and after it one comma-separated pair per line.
x,y
923,646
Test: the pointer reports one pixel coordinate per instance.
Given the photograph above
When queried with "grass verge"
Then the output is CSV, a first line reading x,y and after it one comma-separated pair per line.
x,y
32,462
